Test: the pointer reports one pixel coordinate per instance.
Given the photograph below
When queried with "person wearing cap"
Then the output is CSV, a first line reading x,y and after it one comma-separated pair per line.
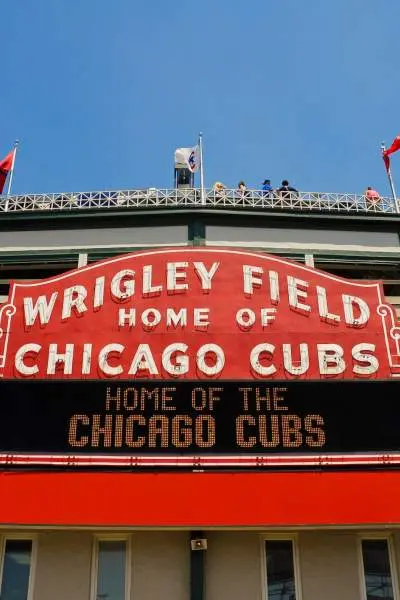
x,y
266,186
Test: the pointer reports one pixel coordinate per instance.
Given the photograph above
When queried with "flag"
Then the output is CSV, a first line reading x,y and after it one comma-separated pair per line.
x,y
5,167
190,157
393,148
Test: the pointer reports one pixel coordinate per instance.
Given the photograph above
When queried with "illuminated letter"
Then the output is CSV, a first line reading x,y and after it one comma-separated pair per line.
x,y
148,288
301,366
74,297
201,317
173,275
269,438
143,360
363,308
174,319
330,359
99,293
219,356
19,359
86,359
240,433
181,365
103,359
139,440
42,307
360,352
323,307
128,285
274,287
181,431
72,433
249,280
127,316
267,315
255,359
55,358
205,276
249,319
150,323
295,294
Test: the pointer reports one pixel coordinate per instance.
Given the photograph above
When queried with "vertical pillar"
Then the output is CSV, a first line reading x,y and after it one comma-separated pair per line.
x,y
309,260
196,233
82,260
198,547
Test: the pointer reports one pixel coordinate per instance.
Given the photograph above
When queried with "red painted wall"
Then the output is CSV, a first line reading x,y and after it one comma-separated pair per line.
x,y
200,499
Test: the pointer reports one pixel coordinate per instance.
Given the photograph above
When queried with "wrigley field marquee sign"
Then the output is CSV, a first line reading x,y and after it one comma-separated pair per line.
x,y
198,357
197,314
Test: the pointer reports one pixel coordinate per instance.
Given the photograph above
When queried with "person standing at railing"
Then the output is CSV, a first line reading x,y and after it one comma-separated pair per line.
x,y
219,189
287,191
267,188
242,190
373,199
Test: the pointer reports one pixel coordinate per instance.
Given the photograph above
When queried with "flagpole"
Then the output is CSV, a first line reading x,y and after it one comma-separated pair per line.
x,y
391,183
202,190
12,168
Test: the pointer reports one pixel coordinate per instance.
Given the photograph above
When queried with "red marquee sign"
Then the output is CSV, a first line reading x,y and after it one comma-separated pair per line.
x,y
198,313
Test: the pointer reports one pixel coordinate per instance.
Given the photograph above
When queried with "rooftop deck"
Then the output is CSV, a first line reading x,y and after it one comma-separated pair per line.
x,y
326,202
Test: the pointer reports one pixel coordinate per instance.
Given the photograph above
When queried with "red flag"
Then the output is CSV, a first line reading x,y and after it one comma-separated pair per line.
x,y
5,167
393,148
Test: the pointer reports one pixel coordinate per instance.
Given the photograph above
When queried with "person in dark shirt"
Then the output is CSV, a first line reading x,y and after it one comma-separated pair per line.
x,y
242,190
286,190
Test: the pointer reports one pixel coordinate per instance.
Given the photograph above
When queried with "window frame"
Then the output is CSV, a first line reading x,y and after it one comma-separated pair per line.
x,y
292,537
95,562
29,537
388,538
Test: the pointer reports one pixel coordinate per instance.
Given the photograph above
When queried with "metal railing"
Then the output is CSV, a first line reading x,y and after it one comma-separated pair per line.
x,y
154,198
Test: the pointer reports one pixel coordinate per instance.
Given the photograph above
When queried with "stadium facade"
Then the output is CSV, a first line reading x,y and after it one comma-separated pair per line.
x,y
199,396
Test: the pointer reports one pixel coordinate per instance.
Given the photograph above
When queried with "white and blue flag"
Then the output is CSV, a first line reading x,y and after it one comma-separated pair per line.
x,y
190,157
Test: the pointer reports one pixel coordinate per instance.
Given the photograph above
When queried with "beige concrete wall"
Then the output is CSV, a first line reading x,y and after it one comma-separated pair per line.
x,y
161,565
233,566
63,566
329,566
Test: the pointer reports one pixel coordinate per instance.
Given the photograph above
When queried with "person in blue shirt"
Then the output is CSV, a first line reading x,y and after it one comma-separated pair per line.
x,y
267,187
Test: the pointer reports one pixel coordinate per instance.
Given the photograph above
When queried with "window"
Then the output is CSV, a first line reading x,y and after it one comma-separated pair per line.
x,y
111,579
281,583
16,570
377,573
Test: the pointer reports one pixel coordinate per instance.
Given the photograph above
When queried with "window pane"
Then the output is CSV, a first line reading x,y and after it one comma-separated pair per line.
x,y
378,580
280,570
111,571
16,568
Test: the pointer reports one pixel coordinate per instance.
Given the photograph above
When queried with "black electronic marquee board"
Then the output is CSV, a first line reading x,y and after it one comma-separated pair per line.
x,y
179,424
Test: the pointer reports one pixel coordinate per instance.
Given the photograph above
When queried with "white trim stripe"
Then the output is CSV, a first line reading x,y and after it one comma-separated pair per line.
x,y
279,460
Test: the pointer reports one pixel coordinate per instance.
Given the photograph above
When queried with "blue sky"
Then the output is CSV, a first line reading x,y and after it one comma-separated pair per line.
x,y
101,92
